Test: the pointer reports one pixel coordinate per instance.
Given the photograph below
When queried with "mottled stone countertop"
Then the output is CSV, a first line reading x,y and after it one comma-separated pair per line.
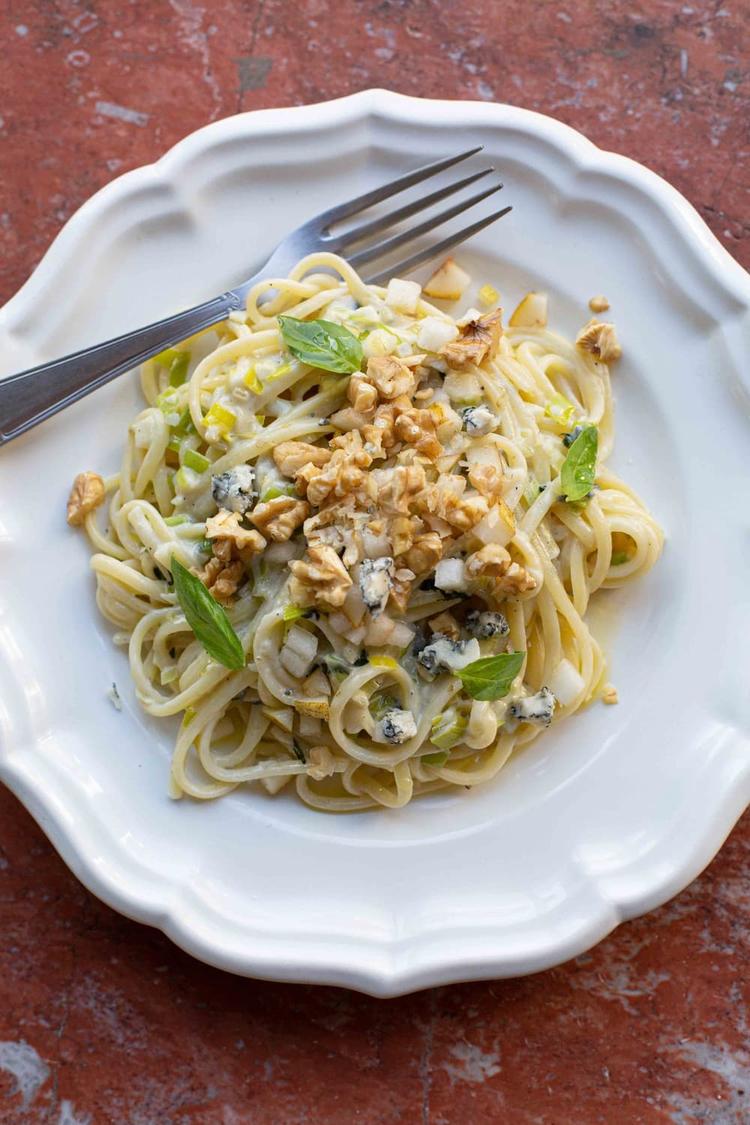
x,y
103,1020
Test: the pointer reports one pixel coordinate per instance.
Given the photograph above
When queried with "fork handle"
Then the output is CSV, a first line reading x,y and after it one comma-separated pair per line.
x,y
29,397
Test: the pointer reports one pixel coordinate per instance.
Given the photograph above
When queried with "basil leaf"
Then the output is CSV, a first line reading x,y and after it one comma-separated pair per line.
x,y
207,619
578,472
491,676
321,343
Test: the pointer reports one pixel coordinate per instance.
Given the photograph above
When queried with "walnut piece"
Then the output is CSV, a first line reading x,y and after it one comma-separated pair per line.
x,y
380,433
479,340
493,569
424,554
290,456
336,479
352,445
609,694
448,501
221,577
280,517
488,479
600,339
361,394
401,585
231,540
86,494
390,376
401,533
343,474
398,487
446,624
598,304
417,427
319,579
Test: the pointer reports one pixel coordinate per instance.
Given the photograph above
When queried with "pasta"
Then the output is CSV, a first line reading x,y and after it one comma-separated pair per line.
x,y
395,518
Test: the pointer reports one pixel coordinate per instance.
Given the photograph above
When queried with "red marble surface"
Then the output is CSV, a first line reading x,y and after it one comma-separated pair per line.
x,y
103,1020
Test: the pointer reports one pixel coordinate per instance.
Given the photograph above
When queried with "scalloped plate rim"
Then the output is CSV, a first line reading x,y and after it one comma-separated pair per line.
x,y
395,973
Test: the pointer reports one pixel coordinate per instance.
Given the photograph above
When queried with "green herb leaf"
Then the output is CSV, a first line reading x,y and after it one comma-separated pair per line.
x,y
299,753
491,677
321,343
578,472
207,619
619,558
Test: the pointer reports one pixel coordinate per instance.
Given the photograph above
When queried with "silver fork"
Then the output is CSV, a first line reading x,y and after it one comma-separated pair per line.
x,y
29,397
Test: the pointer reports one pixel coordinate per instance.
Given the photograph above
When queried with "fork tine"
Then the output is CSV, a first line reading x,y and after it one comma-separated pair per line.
x,y
356,234
385,191
430,252
428,225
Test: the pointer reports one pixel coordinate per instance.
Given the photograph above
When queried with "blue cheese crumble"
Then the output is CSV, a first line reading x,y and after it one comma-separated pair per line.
x,y
478,420
442,652
233,490
537,708
484,624
397,726
375,583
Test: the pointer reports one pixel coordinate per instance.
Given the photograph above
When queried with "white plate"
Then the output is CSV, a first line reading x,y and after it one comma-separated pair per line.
x,y
605,816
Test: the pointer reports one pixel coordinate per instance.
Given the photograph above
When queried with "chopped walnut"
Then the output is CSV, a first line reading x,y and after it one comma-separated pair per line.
x,y
350,419
446,500
479,340
467,512
361,394
280,517
221,577
600,339
290,456
401,584
417,427
342,475
401,533
86,494
326,527
492,566
598,304
446,624
319,579
398,487
380,433
340,526
609,694
334,480
390,376
231,540
425,553
352,445
488,479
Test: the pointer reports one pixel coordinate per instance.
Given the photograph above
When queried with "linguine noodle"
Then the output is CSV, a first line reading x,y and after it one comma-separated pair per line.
x,y
357,701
